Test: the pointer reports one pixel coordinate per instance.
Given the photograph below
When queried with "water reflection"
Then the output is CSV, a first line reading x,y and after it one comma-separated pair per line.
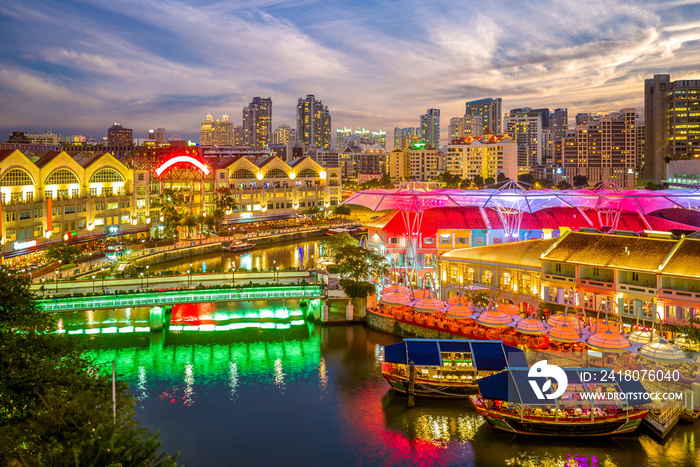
x,y
233,380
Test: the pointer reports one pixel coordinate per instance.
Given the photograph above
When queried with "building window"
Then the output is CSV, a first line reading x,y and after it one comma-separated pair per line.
x,y
628,307
486,277
16,177
445,239
647,310
307,173
557,267
107,176
275,173
428,241
553,294
478,241
70,209
25,215
506,279
141,190
634,276
525,283
243,173
141,177
222,175
62,177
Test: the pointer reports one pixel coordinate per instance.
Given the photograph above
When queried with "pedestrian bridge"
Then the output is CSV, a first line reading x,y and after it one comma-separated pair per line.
x,y
172,297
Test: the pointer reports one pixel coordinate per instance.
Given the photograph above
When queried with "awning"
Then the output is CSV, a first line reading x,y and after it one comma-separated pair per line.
x,y
486,355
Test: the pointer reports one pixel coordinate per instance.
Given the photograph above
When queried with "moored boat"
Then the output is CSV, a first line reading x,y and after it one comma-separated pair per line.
x,y
507,400
240,246
446,367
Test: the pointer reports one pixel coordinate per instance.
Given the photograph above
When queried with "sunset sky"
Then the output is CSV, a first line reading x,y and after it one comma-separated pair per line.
x,y
76,67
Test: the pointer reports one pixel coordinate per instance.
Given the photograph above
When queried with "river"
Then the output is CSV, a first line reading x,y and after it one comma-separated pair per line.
x,y
274,389
293,254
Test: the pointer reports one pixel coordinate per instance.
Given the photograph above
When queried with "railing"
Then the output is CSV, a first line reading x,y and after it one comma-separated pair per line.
x,y
175,297
668,415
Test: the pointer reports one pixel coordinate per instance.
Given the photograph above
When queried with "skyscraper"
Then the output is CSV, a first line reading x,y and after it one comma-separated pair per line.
x,y
216,133
525,125
160,135
560,123
284,134
257,123
313,123
672,122
404,137
490,110
117,135
430,127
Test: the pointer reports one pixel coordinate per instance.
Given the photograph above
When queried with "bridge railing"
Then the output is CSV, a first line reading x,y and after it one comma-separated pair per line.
x,y
182,296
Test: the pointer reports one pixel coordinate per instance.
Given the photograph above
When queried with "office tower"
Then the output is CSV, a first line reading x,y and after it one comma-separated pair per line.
x,y
525,126
216,133
160,135
257,123
672,122
423,162
284,134
490,110
544,114
361,158
603,149
404,137
485,156
151,135
547,144
430,127
560,123
313,123
640,147
397,163
117,135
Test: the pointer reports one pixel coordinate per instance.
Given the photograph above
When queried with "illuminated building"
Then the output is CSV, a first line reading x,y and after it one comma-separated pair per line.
x,y
117,135
216,133
313,123
380,137
560,123
652,275
525,126
257,123
404,137
672,119
490,111
485,156
430,128
79,197
603,149
463,127
284,134
362,158
397,164
346,137
423,162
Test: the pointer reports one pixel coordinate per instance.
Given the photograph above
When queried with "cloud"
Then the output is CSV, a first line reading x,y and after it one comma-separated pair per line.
x,y
78,67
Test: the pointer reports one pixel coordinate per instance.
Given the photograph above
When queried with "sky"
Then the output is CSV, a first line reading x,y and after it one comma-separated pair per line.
x,y
77,67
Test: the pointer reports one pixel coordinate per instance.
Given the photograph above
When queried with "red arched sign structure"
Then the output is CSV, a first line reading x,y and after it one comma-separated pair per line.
x,y
176,160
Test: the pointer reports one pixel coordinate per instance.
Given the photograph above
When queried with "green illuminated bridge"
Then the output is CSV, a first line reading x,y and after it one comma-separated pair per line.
x,y
179,296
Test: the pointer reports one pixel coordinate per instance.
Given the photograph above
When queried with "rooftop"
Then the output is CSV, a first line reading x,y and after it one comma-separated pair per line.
x,y
525,253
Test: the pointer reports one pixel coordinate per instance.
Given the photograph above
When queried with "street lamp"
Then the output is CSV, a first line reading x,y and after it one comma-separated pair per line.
x,y
233,273
93,284
278,274
56,271
274,264
189,278
102,273
141,281
147,275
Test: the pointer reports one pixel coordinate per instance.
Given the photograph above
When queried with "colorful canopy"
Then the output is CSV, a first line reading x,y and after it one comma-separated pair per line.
x,y
564,333
531,326
429,305
396,299
642,337
495,319
457,300
395,288
604,326
416,199
422,293
459,311
560,320
608,340
508,308
662,351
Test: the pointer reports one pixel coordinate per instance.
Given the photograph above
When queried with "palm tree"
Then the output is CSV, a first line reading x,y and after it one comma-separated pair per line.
x,y
189,222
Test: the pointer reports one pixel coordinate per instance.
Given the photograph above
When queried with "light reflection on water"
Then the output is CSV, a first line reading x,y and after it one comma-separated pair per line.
x,y
312,395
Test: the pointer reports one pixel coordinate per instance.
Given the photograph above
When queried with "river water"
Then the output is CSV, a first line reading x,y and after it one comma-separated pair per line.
x,y
274,389
285,255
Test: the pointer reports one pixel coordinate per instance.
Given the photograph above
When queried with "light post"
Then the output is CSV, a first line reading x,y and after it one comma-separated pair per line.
x,y
56,271
93,284
43,289
102,273
278,274
147,275
274,265
141,281
233,273
90,267
189,279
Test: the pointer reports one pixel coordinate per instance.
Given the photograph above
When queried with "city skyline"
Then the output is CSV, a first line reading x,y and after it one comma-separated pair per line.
x,y
152,64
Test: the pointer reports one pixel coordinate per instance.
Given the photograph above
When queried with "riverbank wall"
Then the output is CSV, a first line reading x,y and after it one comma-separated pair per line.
x,y
398,328
172,255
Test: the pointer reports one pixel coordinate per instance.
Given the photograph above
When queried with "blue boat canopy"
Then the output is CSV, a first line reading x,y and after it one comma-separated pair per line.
x,y
486,355
513,385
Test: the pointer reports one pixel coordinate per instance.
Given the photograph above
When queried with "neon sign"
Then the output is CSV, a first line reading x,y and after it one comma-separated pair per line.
x,y
176,160
23,245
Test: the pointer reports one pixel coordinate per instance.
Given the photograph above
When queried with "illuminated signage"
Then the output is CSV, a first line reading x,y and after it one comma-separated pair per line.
x,y
178,159
246,215
113,229
23,245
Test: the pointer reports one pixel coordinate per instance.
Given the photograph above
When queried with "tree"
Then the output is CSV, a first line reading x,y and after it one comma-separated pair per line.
x,y
450,180
543,183
330,245
489,181
580,181
466,183
357,289
342,210
189,222
526,178
501,177
56,408
312,211
63,252
478,180
359,264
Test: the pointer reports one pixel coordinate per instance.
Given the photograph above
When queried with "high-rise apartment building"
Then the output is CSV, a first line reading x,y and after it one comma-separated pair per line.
x,y
641,146
257,123
313,123
346,137
525,126
238,136
560,123
160,135
284,134
485,156
544,115
464,127
672,122
404,137
397,164
430,127
380,137
603,149
216,133
490,110
117,135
